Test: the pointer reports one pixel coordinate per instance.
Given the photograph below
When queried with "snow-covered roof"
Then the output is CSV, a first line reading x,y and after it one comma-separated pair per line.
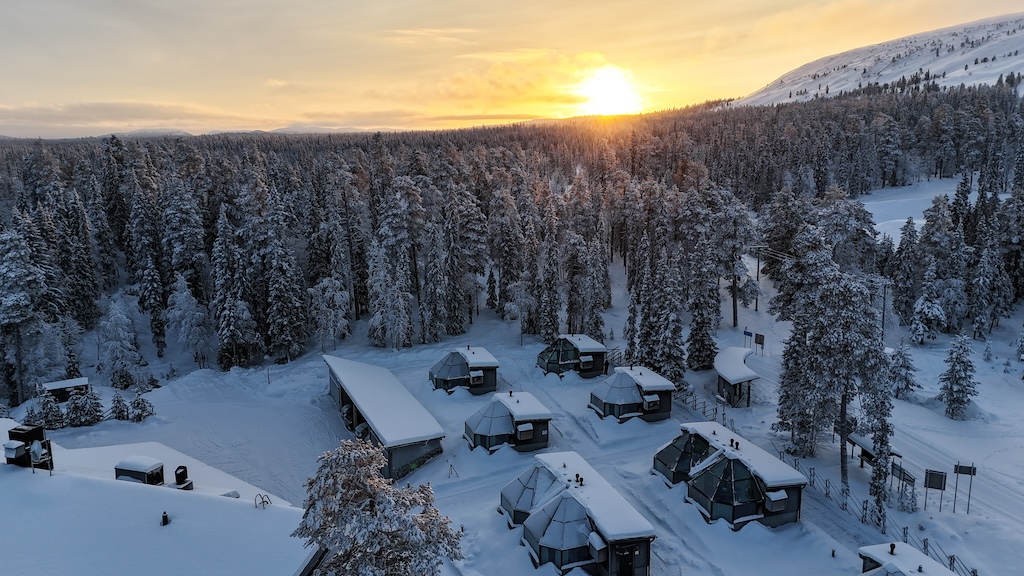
x,y
648,380
532,487
868,444
207,534
491,420
523,406
477,357
730,365
614,517
584,343
394,415
70,383
774,472
905,560
138,463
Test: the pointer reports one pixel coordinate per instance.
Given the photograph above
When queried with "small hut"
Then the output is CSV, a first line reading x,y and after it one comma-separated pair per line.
x,y
473,367
899,559
516,418
63,390
734,376
574,352
141,469
633,391
740,482
572,517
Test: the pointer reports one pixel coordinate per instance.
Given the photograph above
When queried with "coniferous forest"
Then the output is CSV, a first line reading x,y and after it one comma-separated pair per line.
x,y
253,245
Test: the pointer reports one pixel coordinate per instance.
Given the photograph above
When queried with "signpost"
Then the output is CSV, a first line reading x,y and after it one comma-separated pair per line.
x,y
759,341
971,471
936,480
746,335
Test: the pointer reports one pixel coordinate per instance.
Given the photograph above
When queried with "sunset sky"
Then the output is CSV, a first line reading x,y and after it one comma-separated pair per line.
x,y
91,67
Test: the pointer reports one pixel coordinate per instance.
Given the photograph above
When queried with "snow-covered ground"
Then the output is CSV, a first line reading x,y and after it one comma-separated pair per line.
x,y
267,425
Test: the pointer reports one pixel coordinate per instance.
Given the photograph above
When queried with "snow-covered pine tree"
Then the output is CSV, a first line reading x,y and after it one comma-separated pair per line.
x,y
75,258
84,409
957,382
286,305
187,319
492,291
32,417
328,309
901,372
119,409
667,354
140,408
50,413
987,354
182,235
878,413
22,285
905,275
785,216
928,316
704,306
368,525
118,354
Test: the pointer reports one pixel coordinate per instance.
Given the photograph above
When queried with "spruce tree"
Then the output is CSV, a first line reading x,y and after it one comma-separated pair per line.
x,y
957,382
140,408
901,371
50,413
119,409
84,409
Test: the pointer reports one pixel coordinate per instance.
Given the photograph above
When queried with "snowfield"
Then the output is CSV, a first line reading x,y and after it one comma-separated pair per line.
x,y
267,425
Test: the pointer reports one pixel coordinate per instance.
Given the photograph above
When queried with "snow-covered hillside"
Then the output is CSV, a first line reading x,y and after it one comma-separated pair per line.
x,y
974,53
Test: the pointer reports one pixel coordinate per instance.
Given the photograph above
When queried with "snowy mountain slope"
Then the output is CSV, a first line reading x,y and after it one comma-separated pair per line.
x,y
973,53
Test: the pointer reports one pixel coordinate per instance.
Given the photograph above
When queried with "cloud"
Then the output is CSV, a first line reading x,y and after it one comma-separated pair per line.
x,y
92,118
419,36
275,83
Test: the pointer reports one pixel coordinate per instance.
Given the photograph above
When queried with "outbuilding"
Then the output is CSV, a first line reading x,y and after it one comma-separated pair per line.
x,y
899,559
734,377
375,405
63,390
633,391
142,469
739,482
516,418
472,367
573,518
574,352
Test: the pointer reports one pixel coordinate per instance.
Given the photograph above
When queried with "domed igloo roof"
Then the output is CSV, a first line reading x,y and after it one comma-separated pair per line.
x,y
561,523
491,420
452,366
531,488
619,388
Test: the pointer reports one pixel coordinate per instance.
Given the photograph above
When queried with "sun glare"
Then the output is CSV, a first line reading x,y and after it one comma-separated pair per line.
x,y
609,91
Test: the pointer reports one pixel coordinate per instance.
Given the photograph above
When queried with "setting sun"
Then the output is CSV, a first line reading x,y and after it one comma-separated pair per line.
x,y
608,91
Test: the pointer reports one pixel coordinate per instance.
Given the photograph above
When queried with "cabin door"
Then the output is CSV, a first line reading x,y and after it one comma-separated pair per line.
x,y
625,555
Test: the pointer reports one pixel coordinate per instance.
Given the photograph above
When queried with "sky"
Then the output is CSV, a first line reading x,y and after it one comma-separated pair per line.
x,y
91,67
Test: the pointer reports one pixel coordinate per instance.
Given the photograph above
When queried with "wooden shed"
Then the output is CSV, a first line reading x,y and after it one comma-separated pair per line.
x,y
572,517
633,391
574,352
375,405
516,418
472,367
739,482
734,377
63,390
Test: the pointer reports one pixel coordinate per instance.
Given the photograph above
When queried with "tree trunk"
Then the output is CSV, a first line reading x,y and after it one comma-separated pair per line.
x,y
844,438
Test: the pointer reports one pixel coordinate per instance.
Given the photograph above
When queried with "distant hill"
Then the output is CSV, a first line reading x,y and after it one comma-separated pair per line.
x,y
974,53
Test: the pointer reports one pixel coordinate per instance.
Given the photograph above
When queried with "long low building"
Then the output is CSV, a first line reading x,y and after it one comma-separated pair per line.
x,y
375,404
572,517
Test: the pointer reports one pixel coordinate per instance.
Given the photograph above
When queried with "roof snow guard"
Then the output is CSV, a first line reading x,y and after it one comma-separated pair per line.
x,y
554,476
731,365
394,415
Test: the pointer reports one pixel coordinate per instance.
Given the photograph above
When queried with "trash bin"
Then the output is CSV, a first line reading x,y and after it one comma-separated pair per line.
x,y
180,475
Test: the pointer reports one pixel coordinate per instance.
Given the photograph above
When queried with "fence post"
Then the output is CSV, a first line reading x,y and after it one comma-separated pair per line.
x,y
846,495
952,561
905,534
828,488
810,474
864,513
924,544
